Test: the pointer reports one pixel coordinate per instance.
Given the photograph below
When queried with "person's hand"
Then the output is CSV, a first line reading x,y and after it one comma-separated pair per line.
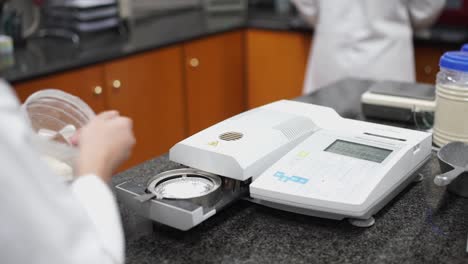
x,y
104,143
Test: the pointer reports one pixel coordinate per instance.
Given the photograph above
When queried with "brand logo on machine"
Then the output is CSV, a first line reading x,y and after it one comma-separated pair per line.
x,y
285,178
213,143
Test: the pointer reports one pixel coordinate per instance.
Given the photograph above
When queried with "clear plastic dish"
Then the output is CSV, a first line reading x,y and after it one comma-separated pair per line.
x,y
56,115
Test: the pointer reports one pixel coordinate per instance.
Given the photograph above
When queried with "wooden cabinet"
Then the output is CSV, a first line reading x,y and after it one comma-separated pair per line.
x,y
276,63
86,83
149,89
214,78
427,61
174,92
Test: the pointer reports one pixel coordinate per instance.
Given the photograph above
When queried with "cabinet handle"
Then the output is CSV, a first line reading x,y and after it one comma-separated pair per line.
x,y
116,84
194,62
98,90
428,69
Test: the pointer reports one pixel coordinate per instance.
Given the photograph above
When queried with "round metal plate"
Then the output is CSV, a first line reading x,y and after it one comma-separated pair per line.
x,y
183,184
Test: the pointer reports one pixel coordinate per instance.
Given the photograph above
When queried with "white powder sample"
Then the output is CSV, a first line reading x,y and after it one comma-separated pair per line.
x,y
59,167
184,188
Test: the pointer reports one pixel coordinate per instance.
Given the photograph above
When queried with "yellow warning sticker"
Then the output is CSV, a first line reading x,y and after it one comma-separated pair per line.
x,y
303,154
213,143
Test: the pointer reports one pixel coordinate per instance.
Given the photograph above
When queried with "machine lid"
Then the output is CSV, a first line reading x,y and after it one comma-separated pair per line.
x,y
183,184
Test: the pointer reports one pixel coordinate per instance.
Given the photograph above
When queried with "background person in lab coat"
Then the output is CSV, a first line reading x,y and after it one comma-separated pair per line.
x,y
43,219
364,38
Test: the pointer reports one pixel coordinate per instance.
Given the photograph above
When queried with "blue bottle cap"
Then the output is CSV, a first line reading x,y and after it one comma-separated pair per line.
x,y
455,60
465,48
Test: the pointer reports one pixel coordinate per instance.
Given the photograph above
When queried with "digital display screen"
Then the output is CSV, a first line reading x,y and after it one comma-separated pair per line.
x,y
359,151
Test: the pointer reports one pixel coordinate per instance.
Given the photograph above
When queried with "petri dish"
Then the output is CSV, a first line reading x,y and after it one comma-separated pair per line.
x,y
55,114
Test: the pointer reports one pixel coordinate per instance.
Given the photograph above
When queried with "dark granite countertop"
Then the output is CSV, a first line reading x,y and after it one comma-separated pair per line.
x,y
41,57
423,224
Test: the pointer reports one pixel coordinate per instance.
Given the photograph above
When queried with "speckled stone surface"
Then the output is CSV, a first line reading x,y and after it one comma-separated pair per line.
x,y
423,224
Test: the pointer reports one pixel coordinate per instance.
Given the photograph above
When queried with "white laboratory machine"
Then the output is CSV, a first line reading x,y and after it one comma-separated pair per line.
x,y
287,155
398,101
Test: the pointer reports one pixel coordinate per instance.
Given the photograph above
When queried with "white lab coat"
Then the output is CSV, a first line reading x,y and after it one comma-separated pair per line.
x,y
43,219
364,38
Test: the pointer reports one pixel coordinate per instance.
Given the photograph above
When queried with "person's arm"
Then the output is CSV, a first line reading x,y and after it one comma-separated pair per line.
x,y
308,10
423,13
103,144
45,220
95,196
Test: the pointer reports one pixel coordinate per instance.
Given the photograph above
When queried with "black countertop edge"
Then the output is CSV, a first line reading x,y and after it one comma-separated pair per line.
x,y
40,58
74,65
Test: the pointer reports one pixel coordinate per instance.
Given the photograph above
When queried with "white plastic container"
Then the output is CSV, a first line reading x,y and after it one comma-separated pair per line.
x,y
451,123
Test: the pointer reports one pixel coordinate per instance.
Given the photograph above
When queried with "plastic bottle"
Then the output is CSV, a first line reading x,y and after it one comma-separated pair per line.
x,y
450,122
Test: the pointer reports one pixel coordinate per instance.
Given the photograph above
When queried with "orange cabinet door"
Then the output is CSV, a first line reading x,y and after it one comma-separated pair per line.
x,y
214,75
149,89
276,63
427,58
86,83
